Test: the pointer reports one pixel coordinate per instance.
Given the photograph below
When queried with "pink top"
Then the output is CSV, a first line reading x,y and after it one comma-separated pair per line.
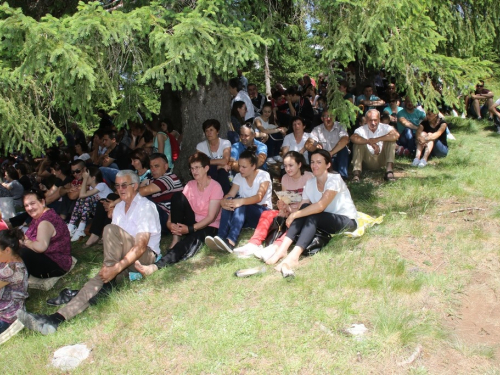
x,y
200,201
3,226
59,249
297,186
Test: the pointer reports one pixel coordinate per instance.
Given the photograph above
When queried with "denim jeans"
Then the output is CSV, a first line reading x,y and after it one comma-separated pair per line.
x,y
4,326
109,174
439,150
231,222
407,140
340,162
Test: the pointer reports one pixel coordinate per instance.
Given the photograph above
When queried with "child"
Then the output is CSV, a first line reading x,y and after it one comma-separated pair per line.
x,y
86,204
13,277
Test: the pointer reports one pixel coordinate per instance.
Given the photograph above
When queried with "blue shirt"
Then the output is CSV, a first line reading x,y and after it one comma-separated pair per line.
x,y
373,98
238,148
388,109
415,117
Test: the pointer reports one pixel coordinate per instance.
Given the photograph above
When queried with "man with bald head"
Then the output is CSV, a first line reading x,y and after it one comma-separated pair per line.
x,y
374,146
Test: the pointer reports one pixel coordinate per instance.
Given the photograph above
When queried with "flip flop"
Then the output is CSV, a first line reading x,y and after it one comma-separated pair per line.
x,y
250,271
286,271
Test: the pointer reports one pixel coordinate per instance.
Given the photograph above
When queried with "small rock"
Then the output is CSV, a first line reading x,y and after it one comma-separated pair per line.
x,y
70,357
356,330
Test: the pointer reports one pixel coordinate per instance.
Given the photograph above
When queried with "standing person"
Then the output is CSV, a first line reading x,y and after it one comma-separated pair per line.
x,y
174,144
238,94
249,196
293,181
219,152
271,134
134,234
13,278
326,205
431,139
195,214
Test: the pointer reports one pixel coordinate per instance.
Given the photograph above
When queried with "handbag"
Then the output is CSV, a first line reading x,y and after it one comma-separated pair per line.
x,y
320,240
276,230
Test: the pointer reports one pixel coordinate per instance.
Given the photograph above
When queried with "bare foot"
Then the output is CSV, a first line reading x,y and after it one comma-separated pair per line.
x,y
175,239
93,239
291,263
145,270
276,257
286,270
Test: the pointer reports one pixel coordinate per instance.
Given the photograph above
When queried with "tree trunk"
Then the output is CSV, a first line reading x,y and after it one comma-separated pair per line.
x,y
267,75
210,101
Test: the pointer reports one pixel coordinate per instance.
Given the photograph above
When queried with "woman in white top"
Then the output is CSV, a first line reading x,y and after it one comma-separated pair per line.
x,y
326,205
219,151
296,141
268,133
253,187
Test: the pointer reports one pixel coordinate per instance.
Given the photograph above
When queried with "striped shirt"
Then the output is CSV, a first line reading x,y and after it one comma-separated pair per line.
x,y
169,184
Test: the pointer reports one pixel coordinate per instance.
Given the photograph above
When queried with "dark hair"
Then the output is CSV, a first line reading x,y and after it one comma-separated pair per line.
x,y
166,122
199,157
251,84
297,118
267,104
250,154
326,155
49,181
158,155
277,94
393,97
344,83
96,172
299,159
385,116
38,193
110,133
211,122
141,155
78,162
291,91
10,238
235,83
11,171
366,86
83,145
21,167
234,110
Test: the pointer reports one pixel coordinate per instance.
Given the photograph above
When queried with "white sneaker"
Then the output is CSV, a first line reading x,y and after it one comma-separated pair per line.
x,y
77,235
463,115
451,137
422,163
72,229
415,162
246,251
265,253
278,158
270,161
455,114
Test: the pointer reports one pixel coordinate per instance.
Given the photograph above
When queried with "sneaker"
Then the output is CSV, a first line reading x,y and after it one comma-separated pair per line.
x,y
422,163
415,162
40,323
450,137
270,161
463,115
278,158
223,244
77,235
250,271
455,114
72,229
211,244
246,251
265,253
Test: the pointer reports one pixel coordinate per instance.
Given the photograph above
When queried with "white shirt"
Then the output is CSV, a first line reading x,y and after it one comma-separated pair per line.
x,y
342,204
246,191
365,132
141,217
329,138
204,147
243,96
104,190
265,124
292,144
83,157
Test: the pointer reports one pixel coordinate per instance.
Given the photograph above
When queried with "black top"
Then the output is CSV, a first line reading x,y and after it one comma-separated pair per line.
x,y
121,156
429,129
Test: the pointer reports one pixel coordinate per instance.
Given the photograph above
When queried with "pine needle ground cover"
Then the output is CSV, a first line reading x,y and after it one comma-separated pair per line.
x,y
425,283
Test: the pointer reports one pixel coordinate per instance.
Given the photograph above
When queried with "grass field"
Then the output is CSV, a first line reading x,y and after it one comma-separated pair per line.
x,y
427,277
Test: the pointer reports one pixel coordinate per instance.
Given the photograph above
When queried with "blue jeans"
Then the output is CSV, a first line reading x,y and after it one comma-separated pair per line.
x,y
439,150
340,162
273,144
231,222
109,174
4,326
407,140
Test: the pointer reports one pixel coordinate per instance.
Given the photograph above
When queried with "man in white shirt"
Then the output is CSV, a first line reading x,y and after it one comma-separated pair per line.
x,y
134,234
374,146
238,94
332,137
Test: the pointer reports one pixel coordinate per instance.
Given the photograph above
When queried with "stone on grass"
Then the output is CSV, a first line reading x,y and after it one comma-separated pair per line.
x,y
69,357
356,330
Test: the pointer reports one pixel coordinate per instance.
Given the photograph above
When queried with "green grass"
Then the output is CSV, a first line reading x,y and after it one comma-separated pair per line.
x,y
399,279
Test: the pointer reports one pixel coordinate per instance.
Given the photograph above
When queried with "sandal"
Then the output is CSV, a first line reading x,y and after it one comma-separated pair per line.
x,y
389,176
356,177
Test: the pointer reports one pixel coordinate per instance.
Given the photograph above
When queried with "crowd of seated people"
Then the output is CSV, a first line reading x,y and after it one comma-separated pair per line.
x,y
120,185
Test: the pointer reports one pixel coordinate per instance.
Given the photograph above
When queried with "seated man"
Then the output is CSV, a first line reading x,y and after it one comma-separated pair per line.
x,y
258,100
368,100
134,234
298,106
117,157
481,95
374,146
495,112
332,137
247,138
409,119
161,187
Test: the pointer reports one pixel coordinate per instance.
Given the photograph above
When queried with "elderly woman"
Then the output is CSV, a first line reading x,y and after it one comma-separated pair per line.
x,y
249,196
46,248
195,214
326,205
296,141
13,278
431,139
219,151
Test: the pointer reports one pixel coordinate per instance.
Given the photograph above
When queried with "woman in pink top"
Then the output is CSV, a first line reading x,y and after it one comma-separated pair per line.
x,y
195,214
294,181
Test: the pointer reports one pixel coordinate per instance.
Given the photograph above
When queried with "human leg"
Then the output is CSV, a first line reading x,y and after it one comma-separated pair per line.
x,y
341,162
439,150
39,265
262,228
222,177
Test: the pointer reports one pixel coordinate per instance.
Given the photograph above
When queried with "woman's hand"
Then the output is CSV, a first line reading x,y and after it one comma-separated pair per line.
x,y
224,203
85,175
179,229
283,130
235,203
290,219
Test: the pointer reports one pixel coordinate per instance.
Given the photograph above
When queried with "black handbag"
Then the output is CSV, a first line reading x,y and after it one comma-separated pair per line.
x,y
321,239
278,227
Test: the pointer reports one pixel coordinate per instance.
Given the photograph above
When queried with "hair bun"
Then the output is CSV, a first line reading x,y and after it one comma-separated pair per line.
x,y
252,149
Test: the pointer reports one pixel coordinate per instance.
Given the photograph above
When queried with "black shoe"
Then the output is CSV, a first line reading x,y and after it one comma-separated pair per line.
x,y
40,323
63,298
223,244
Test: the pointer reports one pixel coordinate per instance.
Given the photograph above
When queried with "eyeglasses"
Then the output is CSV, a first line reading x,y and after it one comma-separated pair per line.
x,y
327,117
75,171
192,169
123,186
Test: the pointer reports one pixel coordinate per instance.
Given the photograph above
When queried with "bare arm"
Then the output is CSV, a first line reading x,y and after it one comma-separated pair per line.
x,y
406,123
373,103
45,232
149,189
261,159
3,283
161,142
340,145
314,208
52,195
235,203
392,136
436,135
225,158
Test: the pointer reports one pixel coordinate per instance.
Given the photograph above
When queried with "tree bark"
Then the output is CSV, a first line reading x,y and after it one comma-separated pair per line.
x,y
211,101
267,74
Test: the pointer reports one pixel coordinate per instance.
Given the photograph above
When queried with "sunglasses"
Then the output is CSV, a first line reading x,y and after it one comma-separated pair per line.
x,y
123,186
75,171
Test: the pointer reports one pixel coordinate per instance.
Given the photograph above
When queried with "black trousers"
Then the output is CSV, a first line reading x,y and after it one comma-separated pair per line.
x,y
182,213
101,219
40,265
